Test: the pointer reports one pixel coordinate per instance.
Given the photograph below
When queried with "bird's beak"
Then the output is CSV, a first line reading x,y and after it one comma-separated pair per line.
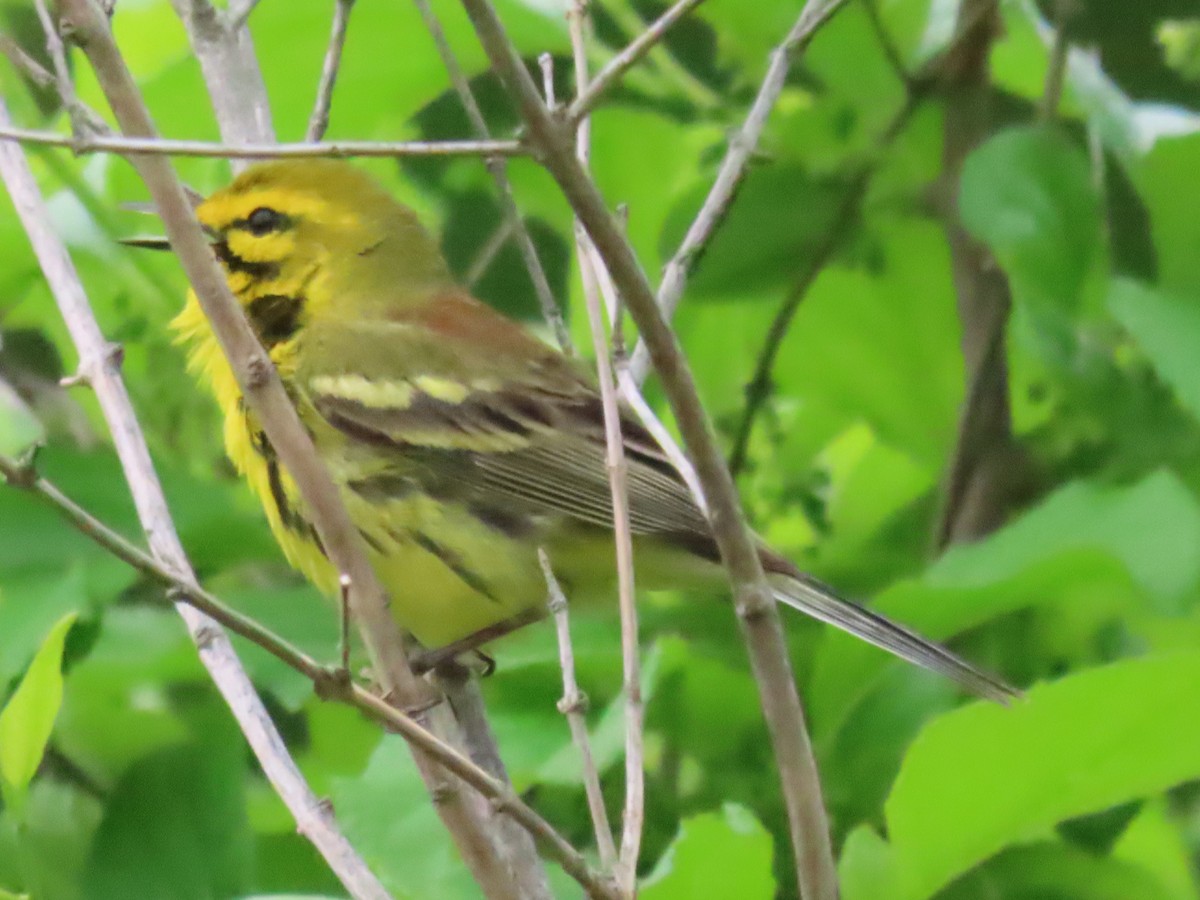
x,y
146,242
160,242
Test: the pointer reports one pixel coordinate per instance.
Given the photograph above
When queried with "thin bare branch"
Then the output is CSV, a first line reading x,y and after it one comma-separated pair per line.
x,y
626,15
99,365
633,53
58,58
465,813
319,120
488,252
239,11
429,660
631,393
733,167
890,51
340,149
235,84
467,715
499,170
753,600
24,63
758,388
987,468
574,706
1056,73
330,685
84,120
634,812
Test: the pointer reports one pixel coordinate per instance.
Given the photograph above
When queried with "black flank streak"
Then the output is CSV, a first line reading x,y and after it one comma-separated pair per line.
x,y
291,519
374,544
501,419
377,488
353,427
315,538
528,408
452,562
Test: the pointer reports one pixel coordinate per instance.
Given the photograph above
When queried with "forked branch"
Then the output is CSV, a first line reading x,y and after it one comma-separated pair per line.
x,y
757,615
330,684
465,813
98,368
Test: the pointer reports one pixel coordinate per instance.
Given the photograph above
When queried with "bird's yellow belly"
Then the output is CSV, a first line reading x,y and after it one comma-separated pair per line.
x,y
448,574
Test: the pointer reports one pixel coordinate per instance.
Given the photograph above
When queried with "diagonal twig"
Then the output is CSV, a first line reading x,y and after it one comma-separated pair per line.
x,y
754,603
84,120
230,68
319,120
574,705
986,467
499,170
330,685
24,63
465,813
733,167
758,388
631,55
634,814
98,365
239,11
487,253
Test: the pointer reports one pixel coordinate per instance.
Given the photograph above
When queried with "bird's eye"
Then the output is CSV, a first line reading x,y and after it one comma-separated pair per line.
x,y
264,220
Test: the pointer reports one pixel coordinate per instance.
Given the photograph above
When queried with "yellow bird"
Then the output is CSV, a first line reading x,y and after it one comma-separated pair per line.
x,y
460,442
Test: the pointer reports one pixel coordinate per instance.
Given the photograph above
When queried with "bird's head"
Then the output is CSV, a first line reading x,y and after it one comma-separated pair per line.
x,y
279,225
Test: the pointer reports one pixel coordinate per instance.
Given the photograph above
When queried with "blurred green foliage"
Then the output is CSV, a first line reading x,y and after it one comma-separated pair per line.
x,y
126,776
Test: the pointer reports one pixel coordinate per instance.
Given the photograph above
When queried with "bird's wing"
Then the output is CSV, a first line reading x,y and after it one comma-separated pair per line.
x,y
511,424
463,389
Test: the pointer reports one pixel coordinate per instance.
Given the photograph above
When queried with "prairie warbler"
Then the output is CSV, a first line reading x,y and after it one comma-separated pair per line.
x,y
460,442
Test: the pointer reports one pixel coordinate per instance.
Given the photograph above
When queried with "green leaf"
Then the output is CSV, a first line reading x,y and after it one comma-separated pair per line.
x,y
867,867
1159,845
1119,521
983,777
30,604
1027,193
28,718
19,427
717,854
880,343
1165,179
650,191
779,217
174,828
117,707
608,735
1167,327
1057,870
1078,544
50,845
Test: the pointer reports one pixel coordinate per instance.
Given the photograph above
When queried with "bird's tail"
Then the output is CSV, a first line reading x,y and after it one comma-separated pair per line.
x,y
812,598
